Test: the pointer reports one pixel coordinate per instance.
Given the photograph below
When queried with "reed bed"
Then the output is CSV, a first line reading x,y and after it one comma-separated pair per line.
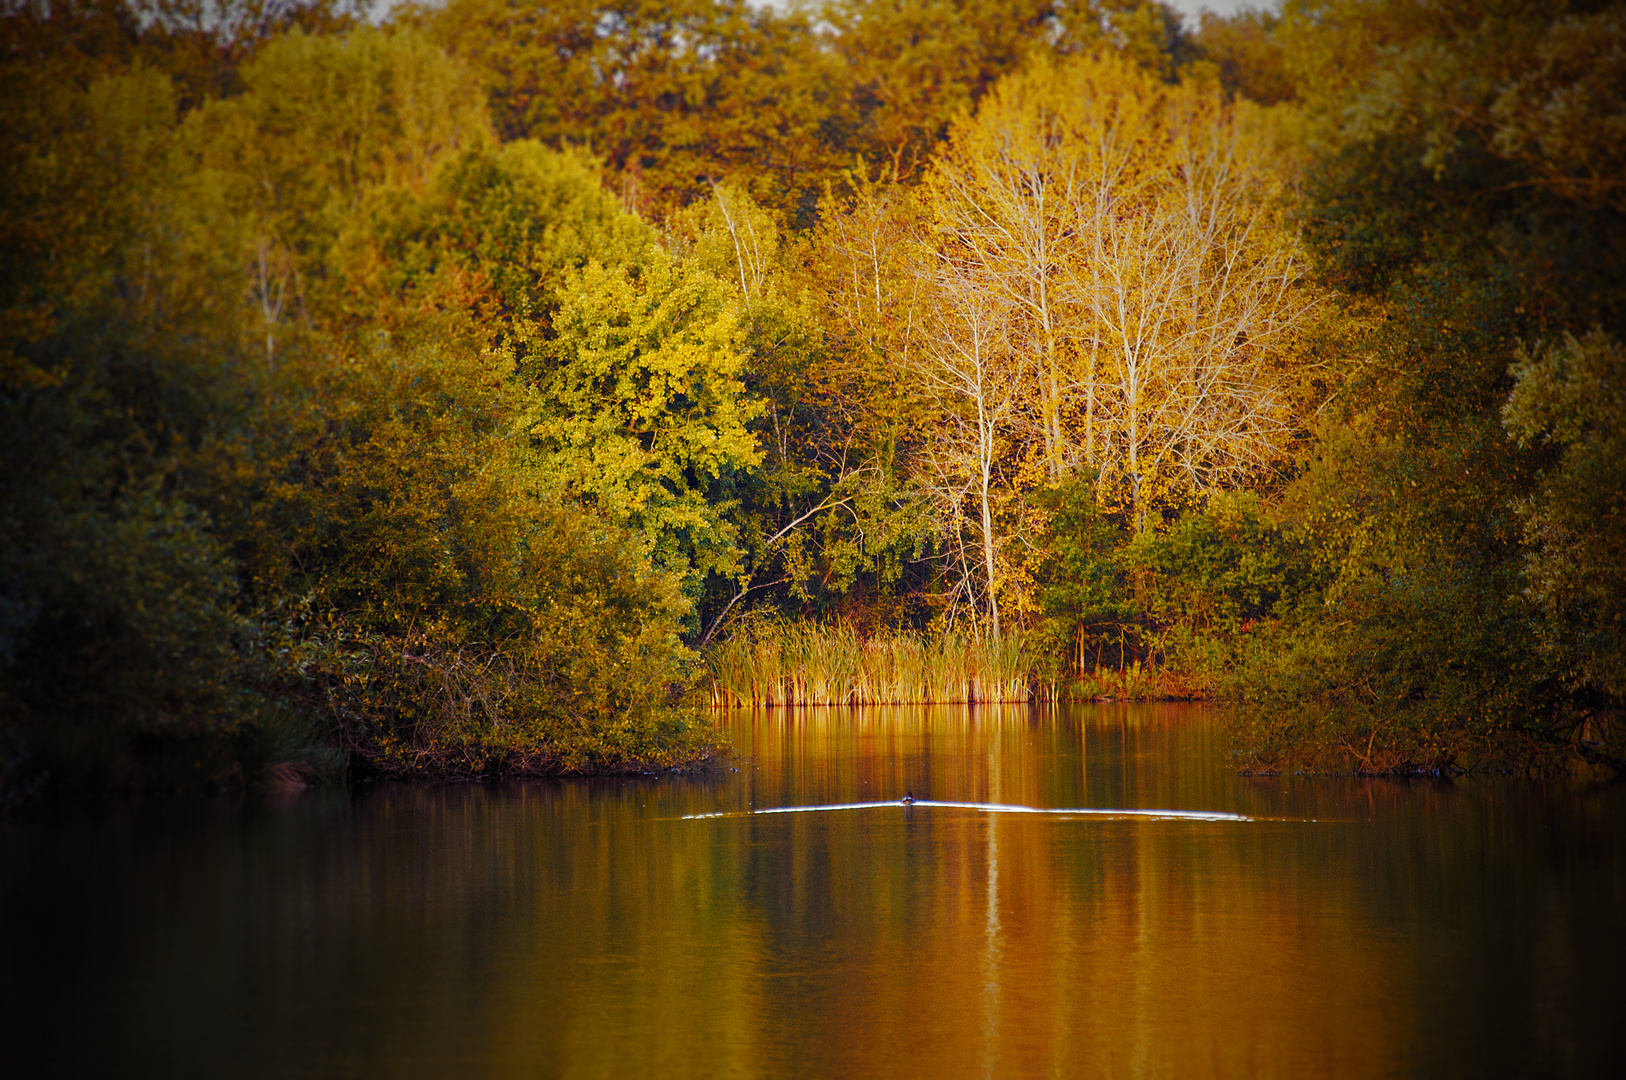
x,y
808,664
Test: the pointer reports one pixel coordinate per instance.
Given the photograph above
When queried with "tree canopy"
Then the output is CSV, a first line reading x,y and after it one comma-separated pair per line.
x,y
427,389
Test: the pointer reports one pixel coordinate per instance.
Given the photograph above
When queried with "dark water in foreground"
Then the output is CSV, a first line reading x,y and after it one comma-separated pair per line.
x,y
588,928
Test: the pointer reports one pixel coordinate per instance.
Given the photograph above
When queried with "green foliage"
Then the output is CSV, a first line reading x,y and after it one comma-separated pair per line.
x,y
122,636
82,169
434,598
321,123
820,513
118,621
1190,597
251,510
633,358
1571,397
1082,588
349,406
1219,575
495,234
672,95
428,594
640,408
1439,644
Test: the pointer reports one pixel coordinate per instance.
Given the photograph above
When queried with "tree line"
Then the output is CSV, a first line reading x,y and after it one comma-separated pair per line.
x,y
419,395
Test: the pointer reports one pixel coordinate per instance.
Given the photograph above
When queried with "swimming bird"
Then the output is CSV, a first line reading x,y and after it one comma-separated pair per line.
x,y
908,798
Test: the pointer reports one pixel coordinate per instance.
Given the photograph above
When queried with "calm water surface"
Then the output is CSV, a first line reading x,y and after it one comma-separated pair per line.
x,y
1360,928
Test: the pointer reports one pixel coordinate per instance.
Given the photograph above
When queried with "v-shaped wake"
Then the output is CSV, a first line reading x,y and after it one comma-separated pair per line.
x,y
989,808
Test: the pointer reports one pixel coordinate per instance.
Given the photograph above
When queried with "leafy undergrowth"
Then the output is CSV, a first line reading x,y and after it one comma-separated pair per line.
x,y
665,741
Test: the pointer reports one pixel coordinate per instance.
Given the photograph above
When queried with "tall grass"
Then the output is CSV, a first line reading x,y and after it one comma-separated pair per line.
x,y
808,664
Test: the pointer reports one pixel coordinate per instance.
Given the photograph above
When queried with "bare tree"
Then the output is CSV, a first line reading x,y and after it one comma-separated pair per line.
x,y
740,216
980,380
1003,192
1192,293
268,283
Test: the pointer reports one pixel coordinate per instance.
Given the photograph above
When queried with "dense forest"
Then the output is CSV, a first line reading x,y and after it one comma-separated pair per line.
x,y
468,389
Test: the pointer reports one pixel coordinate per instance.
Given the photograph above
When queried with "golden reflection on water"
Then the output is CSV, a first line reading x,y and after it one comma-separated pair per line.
x,y
918,940
588,928
1025,947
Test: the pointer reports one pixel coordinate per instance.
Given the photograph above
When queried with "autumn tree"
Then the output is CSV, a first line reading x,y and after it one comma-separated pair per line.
x,y
1132,224
1193,297
671,96
281,171
973,363
915,65
1248,53
1006,192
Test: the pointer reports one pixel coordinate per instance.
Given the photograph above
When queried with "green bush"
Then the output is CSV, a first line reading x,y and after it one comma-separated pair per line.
x,y
455,614
1082,591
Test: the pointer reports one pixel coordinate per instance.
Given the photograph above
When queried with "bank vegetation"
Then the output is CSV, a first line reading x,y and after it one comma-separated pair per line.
x,y
494,388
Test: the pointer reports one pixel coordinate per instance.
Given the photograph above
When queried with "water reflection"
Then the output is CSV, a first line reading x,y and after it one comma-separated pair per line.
x,y
598,928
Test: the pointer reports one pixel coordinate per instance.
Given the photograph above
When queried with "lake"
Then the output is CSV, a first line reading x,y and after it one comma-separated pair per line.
x,y
663,925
